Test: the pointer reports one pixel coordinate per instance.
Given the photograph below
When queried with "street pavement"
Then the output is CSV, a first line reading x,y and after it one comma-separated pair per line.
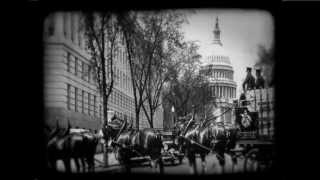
x,y
212,166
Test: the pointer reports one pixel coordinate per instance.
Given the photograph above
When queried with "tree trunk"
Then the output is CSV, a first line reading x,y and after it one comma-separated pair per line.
x,y
105,116
151,119
137,118
105,102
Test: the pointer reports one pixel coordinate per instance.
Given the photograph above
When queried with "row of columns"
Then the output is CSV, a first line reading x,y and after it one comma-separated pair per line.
x,y
223,91
218,58
223,74
67,26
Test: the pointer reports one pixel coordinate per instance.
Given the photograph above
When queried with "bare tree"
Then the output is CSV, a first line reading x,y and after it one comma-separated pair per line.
x,y
133,36
162,35
101,33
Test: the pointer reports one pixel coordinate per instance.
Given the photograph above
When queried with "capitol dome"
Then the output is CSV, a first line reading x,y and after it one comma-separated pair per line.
x,y
218,69
218,57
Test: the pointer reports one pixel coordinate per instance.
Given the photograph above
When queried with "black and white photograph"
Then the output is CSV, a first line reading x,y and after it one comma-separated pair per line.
x,y
166,91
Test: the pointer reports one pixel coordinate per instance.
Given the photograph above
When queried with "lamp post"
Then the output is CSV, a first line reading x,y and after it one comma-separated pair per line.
x,y
172,114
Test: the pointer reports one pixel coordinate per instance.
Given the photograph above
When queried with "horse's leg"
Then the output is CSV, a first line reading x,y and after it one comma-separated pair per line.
x,y
234,160
203,163
76,161
67,164
91,163
221,158
53,165
161,168
127,165
83,162
153,164
192,162
194,159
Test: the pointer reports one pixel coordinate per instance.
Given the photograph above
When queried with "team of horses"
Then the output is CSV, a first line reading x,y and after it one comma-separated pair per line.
x,y
191,138
196,138
129,143
63,144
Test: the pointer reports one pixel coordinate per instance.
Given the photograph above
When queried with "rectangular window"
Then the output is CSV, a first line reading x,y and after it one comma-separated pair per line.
x,y
89,74
118,76
85,107
68,96
79,69
89,103
82,67
118,99
94,105
75,66
85,72
121,57
124,80
68,61
76,99
121,100
79,100
127,83
72,65
72,98
82,99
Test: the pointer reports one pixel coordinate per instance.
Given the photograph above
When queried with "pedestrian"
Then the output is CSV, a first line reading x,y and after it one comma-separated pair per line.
x,y
249,82
260,80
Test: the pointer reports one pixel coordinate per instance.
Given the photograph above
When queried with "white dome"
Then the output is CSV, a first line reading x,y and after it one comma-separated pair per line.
x,y
218,56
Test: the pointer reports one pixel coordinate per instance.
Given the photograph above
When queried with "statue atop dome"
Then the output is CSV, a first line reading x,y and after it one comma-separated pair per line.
x,y
216,33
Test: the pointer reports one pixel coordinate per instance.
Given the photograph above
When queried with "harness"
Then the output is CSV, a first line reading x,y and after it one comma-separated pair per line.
x,y
182,135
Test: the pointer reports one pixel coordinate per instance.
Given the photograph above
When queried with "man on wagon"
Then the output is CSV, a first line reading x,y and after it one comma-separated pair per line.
x,y
260,80
249,82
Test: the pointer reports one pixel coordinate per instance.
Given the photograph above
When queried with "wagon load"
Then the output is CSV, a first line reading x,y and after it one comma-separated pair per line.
x,y
260,99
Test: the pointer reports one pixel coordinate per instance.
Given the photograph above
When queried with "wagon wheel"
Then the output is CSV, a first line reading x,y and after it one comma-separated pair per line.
x,y
251,162
172,156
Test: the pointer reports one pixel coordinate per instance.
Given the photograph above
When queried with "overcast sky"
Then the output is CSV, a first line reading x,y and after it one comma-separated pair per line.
x,y
241,33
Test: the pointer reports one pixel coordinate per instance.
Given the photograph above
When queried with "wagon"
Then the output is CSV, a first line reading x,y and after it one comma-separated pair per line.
x,y
256,138
171,151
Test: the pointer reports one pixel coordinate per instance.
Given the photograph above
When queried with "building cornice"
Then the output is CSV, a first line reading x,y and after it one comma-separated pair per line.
x,y
68,45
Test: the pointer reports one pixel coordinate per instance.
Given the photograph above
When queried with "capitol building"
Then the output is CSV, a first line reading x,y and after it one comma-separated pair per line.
x,y
218,69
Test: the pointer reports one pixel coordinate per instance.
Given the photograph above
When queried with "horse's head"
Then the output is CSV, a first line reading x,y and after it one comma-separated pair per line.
x,y
111,131
180,126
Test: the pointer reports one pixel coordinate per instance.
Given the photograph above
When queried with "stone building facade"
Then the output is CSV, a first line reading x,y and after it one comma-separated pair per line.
x,y
70,89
